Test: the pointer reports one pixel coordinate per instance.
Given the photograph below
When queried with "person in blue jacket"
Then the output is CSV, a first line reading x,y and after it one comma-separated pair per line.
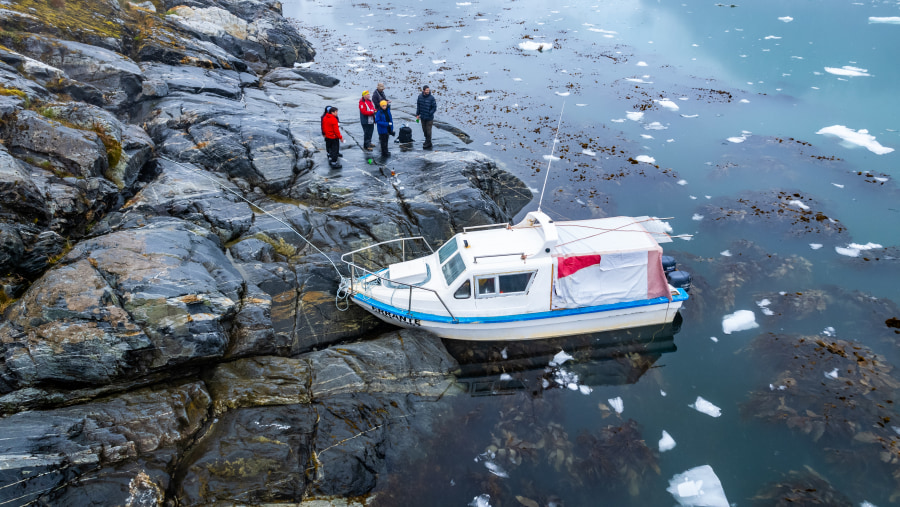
x,y
385,123
426,106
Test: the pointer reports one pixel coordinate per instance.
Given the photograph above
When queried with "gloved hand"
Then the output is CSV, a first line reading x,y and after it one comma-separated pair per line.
x,y
391,132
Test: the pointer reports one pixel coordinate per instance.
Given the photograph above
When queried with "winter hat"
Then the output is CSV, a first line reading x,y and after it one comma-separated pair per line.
x,y
382,103
365,92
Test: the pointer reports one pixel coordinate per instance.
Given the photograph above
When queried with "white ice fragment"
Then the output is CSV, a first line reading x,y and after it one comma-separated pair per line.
x,y
864,502
891,20
545,383
668,104
580,105
645,158
744,101
641,64
786,19
488,143
483,37
304,65
882,180
655,126
503,353
697,217
832,374
829,331
737,139
847,70
517,79
483,97
662,393
838,185
618,120
463,4
705,407
505,377
481,501
849,252
588,152
815,246
634,115
563,94
560,358
646,136
690,115
438,61
550,157
617,404
666,443
740,320
585,389
851,138
682,182
770,37
535,46
799,204
714,339
867,246
572,386
698,487
725,253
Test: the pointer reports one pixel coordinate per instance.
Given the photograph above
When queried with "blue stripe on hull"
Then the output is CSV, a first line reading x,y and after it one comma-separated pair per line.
x,y
682,296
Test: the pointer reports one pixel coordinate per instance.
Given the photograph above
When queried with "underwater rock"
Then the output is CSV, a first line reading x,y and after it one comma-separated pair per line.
x,y
781,211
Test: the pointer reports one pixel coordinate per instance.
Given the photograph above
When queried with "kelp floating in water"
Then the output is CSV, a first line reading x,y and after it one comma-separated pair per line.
x,y
616,455
799,489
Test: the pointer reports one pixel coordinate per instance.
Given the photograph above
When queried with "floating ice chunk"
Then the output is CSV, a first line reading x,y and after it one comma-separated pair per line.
x,y
481,501
483,97
618,120
535,46
867,246
589,152
882,180
668,104
682,182
714,339
740,320
438,61
829,331
852,138
770,37
641,64
563,94
483,37
703,406
662,393
725,253
698,487
744,101
655,126
847,70
832,374
505,377
617,404
690,115
786,19
645,158
634,115
849,252
560,358
637,80
867,504
572,386
463,4
646,136
838,185
585,389
815,246
304,65
666,443
891,20
799,204
550,157
737,139
580,105
697,217
764,305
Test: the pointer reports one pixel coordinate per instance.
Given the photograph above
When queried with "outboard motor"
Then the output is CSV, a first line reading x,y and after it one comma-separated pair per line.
x,y
679,280
668,263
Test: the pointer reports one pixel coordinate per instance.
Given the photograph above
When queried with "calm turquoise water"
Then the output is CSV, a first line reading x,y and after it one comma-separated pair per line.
x,y
609,61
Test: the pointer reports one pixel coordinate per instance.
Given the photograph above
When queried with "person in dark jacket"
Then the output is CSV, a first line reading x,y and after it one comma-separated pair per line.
x,y
379,95
367,119
426,106
332,133
385,123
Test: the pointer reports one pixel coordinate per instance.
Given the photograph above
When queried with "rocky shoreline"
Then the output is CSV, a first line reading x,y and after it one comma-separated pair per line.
x,y
164,341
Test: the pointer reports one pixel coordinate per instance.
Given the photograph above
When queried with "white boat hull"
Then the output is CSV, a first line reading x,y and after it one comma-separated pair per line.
x,y
529,326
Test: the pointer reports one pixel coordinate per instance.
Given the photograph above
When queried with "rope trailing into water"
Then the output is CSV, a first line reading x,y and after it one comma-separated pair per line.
x,y
343,291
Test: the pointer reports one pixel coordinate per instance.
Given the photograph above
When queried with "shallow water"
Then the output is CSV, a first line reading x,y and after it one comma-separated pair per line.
x,y
731,99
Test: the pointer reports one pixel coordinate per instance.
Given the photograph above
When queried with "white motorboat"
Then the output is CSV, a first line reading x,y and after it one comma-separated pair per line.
x,y
535,279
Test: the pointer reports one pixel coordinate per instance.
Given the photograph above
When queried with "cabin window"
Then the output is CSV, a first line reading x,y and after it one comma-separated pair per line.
x,y
504,285
453,268
447,250
464,291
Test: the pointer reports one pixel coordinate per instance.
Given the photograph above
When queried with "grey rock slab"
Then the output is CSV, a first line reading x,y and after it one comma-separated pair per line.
x,y
19,196
225,83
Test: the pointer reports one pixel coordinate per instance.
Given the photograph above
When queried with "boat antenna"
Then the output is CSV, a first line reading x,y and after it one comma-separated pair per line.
x,y
550,160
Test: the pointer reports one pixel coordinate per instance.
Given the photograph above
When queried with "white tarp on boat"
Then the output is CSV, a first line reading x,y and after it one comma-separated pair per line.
x,y
606,261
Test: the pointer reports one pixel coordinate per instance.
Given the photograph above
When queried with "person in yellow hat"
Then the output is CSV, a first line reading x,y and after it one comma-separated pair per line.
x,y
385,123
367,119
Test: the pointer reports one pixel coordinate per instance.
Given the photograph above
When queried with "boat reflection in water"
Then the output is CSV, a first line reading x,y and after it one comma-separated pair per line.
x,y
608,358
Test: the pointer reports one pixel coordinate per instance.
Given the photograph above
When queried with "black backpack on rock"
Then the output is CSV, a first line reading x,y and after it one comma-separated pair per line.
x,y
405,135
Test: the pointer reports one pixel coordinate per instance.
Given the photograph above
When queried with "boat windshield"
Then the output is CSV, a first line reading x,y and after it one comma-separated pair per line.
x,y
453,268
447,250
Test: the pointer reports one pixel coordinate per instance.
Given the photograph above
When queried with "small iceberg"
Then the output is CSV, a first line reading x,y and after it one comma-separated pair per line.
x,y
481,501
852,138
890,20
668,104
645,158
705,407
740,320
847,70
617,404
535,46
634,115
560,358
698,487
666,443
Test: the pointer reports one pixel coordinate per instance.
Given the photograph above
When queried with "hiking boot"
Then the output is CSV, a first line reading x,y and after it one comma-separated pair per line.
x,y
386,154
426,146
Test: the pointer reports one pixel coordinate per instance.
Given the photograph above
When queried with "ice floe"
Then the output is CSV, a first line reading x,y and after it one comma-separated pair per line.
x,y
634,115
617,404
585,389
714,339
641,64
770,37
698,487
725,253
764,306
463,4
853,249
697,217
563,94
798,204
655,126
847,70
786,19
668,104
744,136
550,157
829,331
682,182
666,443
535,46
891,20
560,358
832,374
483,37
853,138
703,406
481,501
505,377
438,61
815,246
740,320
645,158
588,152
838,185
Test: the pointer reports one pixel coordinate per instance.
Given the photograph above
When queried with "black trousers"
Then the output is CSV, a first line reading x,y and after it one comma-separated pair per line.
x,y
426,131
368,128
383,139
332,147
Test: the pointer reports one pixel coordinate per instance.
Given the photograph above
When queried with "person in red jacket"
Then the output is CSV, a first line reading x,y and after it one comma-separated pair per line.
x,y
332,133
367,119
